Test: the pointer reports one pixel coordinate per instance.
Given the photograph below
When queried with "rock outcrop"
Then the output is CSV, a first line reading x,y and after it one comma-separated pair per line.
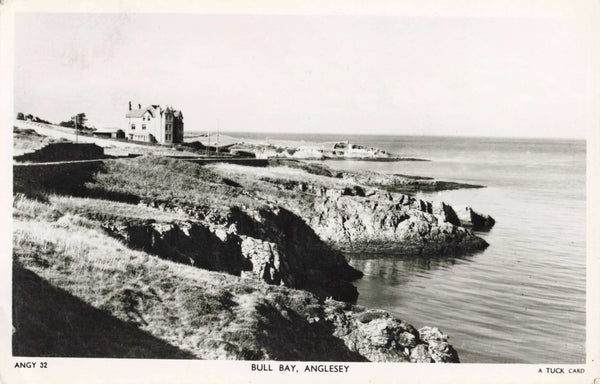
x,y
378,336
403,183
388,222
273,245
307,262
355,218
476,221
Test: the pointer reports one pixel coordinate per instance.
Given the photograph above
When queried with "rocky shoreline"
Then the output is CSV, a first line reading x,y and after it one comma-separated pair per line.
x,y
376,159
286,225
297,239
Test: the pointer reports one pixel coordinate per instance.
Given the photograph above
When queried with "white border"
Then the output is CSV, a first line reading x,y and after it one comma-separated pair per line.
x,y
62,370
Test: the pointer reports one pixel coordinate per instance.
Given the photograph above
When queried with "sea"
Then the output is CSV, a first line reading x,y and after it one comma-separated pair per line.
x,y
521,300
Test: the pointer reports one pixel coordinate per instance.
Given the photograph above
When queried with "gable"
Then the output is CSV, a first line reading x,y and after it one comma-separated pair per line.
x,y
138,113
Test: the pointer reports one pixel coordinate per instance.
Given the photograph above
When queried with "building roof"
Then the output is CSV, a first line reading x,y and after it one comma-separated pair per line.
x,y
152,109
107,130
139,112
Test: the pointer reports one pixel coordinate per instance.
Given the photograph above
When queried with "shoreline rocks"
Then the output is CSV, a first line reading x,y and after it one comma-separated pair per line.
x,y
403,183
378,336
391,223
355,218
476,221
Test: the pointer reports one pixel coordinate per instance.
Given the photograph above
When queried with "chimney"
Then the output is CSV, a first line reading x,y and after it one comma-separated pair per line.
x,y
130,105
139,106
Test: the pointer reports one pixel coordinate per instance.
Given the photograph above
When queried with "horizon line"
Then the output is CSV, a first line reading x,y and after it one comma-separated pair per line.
x,y
584,138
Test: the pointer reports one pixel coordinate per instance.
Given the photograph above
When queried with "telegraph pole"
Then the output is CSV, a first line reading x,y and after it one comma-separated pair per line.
x,y
76,130
208,146
218,126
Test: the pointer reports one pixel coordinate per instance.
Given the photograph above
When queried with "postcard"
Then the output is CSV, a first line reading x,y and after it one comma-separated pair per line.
x,y
300,192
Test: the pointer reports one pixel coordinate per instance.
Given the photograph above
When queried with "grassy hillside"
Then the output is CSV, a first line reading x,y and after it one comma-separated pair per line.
x,y
169,181
28,140
155,307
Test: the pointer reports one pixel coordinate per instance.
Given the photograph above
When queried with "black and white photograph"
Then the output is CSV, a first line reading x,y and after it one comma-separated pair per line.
x,y
289,192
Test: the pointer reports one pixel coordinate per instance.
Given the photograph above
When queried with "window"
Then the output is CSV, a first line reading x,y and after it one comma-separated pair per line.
x,y
168,127
132,126
143,126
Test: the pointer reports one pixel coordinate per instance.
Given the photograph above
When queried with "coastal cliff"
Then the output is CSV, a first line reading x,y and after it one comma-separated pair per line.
x,y
284,230
94,296
272,245
277,232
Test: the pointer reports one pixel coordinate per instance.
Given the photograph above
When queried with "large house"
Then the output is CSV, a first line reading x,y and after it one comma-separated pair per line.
x,y
154,124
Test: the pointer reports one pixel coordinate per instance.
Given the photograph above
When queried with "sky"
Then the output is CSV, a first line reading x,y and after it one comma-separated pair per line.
x,y
346,74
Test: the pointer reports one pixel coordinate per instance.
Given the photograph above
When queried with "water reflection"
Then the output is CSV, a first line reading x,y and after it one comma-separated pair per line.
x,y
397,270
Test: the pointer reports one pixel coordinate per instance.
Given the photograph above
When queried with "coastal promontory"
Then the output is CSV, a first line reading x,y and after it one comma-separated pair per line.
x,y
220,261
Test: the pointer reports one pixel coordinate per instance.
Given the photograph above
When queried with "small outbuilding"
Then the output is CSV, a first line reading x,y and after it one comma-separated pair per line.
x,y
109,133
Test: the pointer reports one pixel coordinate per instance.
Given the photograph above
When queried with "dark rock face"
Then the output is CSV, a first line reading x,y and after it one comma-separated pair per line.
x,y
378,336
476,221
305,261
273,245
185,242
354,191
445,212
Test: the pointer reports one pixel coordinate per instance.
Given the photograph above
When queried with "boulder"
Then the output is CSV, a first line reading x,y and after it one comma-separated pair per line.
x,y
438,347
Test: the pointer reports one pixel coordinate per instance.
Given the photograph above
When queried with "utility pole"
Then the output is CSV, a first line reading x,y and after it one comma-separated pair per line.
x,y
218,126
208,146
76,130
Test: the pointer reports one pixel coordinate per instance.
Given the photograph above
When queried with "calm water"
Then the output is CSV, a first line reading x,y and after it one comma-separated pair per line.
x,y
522,300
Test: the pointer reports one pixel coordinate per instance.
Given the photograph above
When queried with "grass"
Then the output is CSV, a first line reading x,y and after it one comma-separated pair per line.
x,y
51,322
246,175
194,188
53,207
132,286
28,140
312,168
204,314
168,181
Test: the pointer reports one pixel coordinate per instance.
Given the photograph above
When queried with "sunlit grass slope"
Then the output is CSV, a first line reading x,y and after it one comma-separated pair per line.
x,y
172,310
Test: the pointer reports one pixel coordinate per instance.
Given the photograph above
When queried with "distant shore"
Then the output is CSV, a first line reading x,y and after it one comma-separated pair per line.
x,y
297,149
